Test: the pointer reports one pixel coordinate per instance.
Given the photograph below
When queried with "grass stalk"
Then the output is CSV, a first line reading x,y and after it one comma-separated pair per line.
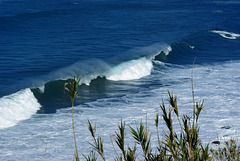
x,y
193,91
98,142
72,87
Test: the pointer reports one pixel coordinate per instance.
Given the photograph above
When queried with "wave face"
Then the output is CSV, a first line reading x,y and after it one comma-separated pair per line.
x,y
17,107
138,68
98,79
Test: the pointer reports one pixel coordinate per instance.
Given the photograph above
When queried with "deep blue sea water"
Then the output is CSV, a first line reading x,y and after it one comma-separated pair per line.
x,y
129,54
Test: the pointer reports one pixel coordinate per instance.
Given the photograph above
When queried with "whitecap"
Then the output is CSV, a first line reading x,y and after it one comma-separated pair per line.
x,y
227,35
17,107
134,69
167,50
138,68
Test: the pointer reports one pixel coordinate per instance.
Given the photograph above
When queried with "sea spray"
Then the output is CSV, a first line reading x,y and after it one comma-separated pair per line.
x,y
17,107
130,70
138,68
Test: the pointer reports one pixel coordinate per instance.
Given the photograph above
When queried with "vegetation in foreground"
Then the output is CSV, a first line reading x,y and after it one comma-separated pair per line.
x,y
72,88
230,151
184,146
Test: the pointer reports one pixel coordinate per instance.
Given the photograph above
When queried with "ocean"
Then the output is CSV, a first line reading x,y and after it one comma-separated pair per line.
x,y
129,55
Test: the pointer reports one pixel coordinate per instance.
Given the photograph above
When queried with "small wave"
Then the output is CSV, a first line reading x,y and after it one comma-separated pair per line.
x,y
227,35
17,107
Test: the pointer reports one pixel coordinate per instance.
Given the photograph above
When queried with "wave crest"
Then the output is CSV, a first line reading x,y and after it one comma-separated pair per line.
x,y
138,68
17,107
130,70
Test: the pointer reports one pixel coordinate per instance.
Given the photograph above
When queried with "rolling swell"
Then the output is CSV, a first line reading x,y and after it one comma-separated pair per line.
x,y
98,79
102,80
210,46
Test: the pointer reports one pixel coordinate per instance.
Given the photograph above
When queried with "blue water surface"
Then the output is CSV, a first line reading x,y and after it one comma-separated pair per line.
x,y
41,40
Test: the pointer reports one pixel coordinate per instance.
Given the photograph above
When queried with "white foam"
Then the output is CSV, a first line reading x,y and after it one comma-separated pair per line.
x,y
167,50
159,63
227,35
192,47
134,69
42,88
17,107
158,48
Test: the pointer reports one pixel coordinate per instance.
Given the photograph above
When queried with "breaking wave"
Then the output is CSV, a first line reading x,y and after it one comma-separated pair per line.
x,y
130,70
98,75
138,68
26,102
17,107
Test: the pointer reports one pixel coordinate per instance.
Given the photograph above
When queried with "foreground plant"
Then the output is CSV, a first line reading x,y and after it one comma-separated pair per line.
x,y
229,152
98,142
187,145
72,87
129,154
91,157
142,137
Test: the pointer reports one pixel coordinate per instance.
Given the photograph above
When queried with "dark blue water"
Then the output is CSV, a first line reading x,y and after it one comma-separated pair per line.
x,y
44,41
41,39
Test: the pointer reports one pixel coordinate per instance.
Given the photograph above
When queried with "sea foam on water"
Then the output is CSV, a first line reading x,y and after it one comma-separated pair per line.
x,y
17,107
